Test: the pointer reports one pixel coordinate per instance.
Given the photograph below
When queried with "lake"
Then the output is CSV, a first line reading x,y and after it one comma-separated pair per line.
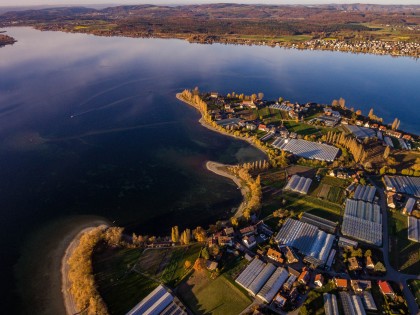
x,y
91,126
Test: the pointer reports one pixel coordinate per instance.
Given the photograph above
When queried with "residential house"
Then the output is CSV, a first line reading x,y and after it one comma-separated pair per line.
x,y
275,255
249,230
249,104
304,277
249,241
214,94
394,133
290,255
353,264
359,123
279,300
211,265
369,263
407,137
225,240
229,231
386,289
319,280
250,126
289,282
390,200
374,126
382,128
262,127
341,283
359,286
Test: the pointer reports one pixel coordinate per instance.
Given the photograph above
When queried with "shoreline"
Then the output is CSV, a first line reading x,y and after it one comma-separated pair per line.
x,y
206,125
215,167
68,298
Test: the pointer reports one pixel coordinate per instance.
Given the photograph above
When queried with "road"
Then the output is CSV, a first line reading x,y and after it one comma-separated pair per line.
x,y
392,274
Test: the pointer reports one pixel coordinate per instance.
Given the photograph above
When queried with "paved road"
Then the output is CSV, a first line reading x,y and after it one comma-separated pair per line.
x,y
392,274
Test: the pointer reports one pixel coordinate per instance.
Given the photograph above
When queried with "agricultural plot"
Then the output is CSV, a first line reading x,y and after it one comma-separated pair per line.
x,y
323,191
206,296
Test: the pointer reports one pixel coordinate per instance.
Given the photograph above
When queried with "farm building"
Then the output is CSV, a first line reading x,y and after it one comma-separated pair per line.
x,y
299,184
361,132
280,107
307,149
273,285
409,205
403,184
363,221
323,224
159,301
330,304
413,229
365,193
307,239
368,301
250,273
261,279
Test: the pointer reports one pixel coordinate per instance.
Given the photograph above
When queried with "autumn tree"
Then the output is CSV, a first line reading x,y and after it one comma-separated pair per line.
x,y
175,234
370,115
199,234
186,237
342,103
386,152
395,124
368,253
260,95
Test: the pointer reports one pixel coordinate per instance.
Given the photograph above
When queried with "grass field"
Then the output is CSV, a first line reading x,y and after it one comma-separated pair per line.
x,y
167,264
125,277
415,288
217,297
300,128
405,254
120,286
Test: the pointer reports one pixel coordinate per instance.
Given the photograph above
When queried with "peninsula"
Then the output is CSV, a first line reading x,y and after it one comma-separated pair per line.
x,y
6,40
341,181
357,28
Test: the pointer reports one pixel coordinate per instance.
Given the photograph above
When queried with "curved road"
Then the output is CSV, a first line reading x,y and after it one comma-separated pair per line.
x,y
392,274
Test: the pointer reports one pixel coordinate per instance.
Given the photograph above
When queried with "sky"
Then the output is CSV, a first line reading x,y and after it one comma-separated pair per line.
x,y
122,2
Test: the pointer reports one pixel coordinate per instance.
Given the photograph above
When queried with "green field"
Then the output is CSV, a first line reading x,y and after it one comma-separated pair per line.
x,y
217,297
120,286
405,254
125,276
301,128
415,288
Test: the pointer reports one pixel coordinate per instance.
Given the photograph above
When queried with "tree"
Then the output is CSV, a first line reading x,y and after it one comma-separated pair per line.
x,y
334,103
386,152
200,234
234,221
342,103
187,264
379,267
395,124
368,253
370,115
260,95
175,234
280,99
358,112
199,264
205,253
253,97
186,237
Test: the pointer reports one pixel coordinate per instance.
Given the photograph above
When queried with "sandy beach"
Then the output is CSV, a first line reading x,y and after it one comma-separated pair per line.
x,y
69,302
220,169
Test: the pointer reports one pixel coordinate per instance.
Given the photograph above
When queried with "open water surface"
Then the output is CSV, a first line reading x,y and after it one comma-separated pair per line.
x,y
91,126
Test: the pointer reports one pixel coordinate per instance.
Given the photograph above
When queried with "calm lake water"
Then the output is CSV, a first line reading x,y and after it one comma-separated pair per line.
x,y
90,126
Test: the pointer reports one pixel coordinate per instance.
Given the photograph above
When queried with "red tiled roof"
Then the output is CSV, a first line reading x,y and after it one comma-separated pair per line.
x,y
385,287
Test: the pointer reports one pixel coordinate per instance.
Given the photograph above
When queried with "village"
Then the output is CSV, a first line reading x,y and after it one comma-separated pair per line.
x,y
327,237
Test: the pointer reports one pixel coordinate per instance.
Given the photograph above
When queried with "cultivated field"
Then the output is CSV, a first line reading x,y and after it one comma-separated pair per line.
x,y
217,297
